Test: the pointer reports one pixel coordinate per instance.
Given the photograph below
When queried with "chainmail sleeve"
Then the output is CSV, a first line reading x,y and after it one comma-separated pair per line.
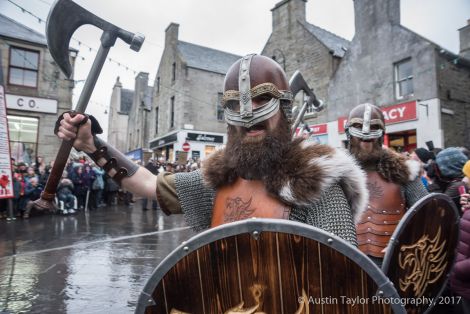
x,y
331,213
414,191
195,198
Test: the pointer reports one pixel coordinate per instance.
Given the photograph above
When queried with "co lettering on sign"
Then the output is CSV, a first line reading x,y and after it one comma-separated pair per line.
x,y
31,103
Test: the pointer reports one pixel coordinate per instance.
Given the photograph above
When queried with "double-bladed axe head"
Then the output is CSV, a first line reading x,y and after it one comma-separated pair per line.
x,y
297,83
65,17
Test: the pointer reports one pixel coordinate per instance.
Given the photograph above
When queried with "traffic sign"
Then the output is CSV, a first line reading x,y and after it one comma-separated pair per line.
x,y
186,147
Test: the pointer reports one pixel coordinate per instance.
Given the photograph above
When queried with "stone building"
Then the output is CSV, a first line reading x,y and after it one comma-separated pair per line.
x,y
298,45
424,89
36,91
186,109
120,105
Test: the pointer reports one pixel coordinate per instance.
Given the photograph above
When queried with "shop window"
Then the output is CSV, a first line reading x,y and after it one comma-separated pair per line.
x,y
220,108
403,79
23,132
23,67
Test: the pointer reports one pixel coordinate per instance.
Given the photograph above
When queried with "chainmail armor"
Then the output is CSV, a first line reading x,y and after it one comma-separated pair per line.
x,y
331,212
196,199
414,191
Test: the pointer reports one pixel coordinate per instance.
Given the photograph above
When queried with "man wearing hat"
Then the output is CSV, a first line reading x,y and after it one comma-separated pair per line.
x,y
450,163
260,173
393,182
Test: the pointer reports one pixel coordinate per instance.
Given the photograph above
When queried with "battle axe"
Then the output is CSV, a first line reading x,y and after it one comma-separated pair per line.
x,y
64,19
297,83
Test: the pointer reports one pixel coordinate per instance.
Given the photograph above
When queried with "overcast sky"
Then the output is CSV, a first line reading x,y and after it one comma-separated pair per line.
x,y
236,26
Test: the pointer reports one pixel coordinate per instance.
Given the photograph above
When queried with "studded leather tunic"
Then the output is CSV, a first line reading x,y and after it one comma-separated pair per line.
x,y
385,209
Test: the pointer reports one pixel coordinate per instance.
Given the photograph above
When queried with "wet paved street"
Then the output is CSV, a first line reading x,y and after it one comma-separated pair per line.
x,y
94,262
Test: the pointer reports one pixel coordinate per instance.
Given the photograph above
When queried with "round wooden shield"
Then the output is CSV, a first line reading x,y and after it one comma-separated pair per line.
x,y
267,266
422,251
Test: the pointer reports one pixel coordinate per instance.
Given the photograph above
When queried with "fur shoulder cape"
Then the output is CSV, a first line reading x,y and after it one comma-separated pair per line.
x,y
396,168
307,170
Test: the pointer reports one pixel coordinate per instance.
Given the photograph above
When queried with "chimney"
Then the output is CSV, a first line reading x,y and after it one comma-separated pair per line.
x,y
371,14
171,34
141,86
287,12
118,83
464,33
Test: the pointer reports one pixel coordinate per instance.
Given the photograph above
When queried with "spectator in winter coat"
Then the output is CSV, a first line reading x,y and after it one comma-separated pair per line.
x,y
460,276
80,186
97,187
65,195
450,162
32,192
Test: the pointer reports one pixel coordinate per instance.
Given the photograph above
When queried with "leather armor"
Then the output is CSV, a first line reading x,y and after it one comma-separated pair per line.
x,y
385,209
245,199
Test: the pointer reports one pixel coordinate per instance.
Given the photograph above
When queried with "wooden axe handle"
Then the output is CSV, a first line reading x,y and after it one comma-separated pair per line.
x,y
57,170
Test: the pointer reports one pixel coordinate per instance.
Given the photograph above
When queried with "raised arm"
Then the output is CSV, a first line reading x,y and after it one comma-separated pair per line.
x,y
130,176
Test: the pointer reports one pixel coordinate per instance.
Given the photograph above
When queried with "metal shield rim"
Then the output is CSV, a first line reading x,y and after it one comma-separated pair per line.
x,y
267,225
399,230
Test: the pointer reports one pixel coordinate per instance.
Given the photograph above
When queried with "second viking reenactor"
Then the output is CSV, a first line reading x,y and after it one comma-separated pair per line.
x,y
393,181
261,172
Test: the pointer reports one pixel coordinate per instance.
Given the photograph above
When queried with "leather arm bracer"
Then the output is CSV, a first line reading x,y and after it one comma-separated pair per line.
x,y
116,165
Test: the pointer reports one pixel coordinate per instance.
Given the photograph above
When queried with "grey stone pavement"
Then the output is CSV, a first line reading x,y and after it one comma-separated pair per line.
x,y
91,262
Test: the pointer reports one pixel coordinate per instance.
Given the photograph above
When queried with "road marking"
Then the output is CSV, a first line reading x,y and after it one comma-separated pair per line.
x,y
86,244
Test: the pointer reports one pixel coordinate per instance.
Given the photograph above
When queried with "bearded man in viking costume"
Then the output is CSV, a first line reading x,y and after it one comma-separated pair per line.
x,y
393,181
260,173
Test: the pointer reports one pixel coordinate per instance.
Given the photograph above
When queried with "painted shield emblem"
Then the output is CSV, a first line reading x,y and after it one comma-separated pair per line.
x,y
267,266
422,250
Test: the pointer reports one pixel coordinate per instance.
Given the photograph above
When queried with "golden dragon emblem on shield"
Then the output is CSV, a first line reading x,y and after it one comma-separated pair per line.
x,y
424,262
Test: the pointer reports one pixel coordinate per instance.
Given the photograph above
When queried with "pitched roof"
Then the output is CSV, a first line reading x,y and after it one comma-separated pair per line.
x,y
336,44
204,58
127,97
12,29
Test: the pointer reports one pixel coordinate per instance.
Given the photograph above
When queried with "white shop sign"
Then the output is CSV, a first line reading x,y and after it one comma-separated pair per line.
x,y
31,103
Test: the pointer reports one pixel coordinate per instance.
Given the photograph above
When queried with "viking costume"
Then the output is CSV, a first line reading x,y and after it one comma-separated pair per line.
x,y
393,182
314,184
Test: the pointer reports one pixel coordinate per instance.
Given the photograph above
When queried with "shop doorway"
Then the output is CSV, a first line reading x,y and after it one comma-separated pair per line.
x,y
404,141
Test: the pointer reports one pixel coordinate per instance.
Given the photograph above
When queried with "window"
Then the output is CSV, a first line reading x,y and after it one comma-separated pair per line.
x,y
403,78
173,71
158,84
23,67
220,108
172,113
156,120
23,133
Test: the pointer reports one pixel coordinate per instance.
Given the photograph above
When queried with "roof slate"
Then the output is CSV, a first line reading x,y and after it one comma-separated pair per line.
x,y
204,58
12,29
336,44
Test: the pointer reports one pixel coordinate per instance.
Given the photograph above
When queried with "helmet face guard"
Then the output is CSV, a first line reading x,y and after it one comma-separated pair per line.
x,y
371,120
238,105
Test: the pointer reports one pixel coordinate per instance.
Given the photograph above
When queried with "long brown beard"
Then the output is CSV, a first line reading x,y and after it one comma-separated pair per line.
x,y
367,160
255,158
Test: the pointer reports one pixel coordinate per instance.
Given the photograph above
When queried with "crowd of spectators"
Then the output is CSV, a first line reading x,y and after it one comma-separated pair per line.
x,y
82,186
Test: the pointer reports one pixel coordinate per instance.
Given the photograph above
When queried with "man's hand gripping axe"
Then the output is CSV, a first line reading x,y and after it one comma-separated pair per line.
x,y
64,19
297,83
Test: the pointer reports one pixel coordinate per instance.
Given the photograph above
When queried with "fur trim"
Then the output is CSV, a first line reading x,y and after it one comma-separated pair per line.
x,y
414,168
308,170
393,167
340,167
